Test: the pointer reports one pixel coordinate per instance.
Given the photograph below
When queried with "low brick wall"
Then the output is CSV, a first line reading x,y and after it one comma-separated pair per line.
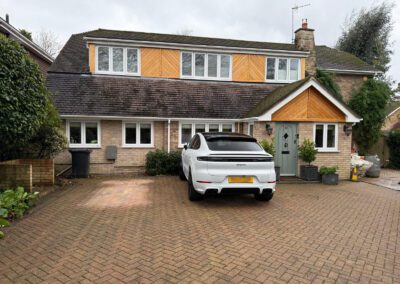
x,y
12,176
15,172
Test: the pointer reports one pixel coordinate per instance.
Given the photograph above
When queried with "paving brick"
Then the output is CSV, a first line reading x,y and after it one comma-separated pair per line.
x,y
144,230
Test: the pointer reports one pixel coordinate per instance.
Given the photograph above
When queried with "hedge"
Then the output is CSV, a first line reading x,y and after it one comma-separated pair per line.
x,y
394,148
160,162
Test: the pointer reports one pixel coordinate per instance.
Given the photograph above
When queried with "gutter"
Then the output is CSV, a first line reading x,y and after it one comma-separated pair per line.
x,y
351,72
196,46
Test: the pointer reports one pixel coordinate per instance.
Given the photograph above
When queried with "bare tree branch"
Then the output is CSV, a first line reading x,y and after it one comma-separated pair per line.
x,y
48,41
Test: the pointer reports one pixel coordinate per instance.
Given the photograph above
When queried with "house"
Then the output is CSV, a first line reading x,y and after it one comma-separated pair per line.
x,y
144,91
392,120
41,57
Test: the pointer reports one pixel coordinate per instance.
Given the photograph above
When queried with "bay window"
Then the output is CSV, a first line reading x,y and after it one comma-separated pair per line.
x,y
137,134
117,60
83,134
282,69
188,129
326,137
205,65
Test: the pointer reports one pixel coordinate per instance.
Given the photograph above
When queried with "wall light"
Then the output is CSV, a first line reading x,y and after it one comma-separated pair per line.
x,y
269,129
347,129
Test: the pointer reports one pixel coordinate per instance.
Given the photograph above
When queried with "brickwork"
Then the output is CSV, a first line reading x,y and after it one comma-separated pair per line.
x,y
340,158
144,230
349,84
13,175
129,160
392,122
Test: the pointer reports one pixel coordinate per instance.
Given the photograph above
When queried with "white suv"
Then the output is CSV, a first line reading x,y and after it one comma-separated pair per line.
x,y
215,163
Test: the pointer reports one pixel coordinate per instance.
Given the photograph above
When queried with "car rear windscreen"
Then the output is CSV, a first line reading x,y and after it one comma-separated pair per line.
x,y
232,144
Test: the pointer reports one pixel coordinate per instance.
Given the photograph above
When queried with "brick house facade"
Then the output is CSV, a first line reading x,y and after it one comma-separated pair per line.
x,y
142,91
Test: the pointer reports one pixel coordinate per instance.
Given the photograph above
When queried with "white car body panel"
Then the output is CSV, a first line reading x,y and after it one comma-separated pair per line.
x,y
213,175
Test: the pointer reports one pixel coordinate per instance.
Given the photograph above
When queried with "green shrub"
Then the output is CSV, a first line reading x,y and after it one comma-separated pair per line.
x,y
394,148
268,146
370,102
14,203
307,151
328,81
160,162
3,223
328,170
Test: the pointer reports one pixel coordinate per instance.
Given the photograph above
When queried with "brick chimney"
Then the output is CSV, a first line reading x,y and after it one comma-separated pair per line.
x,y
304,41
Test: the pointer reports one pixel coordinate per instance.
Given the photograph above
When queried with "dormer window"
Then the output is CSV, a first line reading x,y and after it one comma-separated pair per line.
x,y
117,60
282,70
210,66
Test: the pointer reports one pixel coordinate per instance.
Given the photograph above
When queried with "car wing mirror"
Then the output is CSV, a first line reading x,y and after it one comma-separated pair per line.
x,y
185,146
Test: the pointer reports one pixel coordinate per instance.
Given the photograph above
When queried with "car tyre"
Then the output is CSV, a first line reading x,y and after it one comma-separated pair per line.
x,y
265,196
193,194
181,173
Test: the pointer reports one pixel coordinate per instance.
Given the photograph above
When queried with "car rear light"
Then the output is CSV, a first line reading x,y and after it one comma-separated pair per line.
x,y
234,159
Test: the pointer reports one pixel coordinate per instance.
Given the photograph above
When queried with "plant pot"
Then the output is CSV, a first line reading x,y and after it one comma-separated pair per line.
x,y
309,172
278,173
331,179
375,170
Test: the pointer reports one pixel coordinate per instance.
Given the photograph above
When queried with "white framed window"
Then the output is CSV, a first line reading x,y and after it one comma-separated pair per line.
x,y
250,129
83,134
117,60
210,66
282,70
187,129
137,134
326,137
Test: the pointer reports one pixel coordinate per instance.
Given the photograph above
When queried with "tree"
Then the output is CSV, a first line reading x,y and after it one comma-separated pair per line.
x,y
26,34
367,35
25,103
370,103
49,42
328,81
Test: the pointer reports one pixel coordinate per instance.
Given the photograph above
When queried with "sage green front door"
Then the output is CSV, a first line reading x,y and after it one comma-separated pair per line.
x,y
286,148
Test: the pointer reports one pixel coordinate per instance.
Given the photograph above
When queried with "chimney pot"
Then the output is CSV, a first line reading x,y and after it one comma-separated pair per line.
x,y
7,19
304,24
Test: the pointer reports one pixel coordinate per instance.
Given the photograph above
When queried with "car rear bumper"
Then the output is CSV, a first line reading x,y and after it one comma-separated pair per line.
x,y
234,188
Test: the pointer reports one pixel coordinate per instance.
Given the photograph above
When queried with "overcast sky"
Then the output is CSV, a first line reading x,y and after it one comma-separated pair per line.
x,y
250,20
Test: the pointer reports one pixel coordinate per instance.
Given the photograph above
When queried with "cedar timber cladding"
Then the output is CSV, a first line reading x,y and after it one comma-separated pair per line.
x,y
309,106
92,55
159,62
248,68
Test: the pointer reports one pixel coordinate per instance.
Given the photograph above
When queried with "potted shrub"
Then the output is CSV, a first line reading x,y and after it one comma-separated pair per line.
x,y
329,175
269,147
308,153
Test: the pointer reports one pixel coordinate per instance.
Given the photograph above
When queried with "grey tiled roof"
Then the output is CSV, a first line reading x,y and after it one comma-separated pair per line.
x,y
74,57
144,97
331,58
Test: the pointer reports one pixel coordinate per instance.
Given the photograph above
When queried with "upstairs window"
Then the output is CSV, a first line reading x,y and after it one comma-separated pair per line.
x,y
199,65
282,69
117,60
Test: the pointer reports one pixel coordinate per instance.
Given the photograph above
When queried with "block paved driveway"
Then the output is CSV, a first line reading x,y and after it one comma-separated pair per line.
x,y
138,230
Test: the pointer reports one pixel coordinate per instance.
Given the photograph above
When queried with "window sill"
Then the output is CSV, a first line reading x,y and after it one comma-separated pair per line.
x,y
328,150
206,78
281,81
85,146
137,146
117,74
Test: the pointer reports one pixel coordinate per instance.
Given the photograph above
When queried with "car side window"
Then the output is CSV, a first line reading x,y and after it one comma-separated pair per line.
x,y
195,143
